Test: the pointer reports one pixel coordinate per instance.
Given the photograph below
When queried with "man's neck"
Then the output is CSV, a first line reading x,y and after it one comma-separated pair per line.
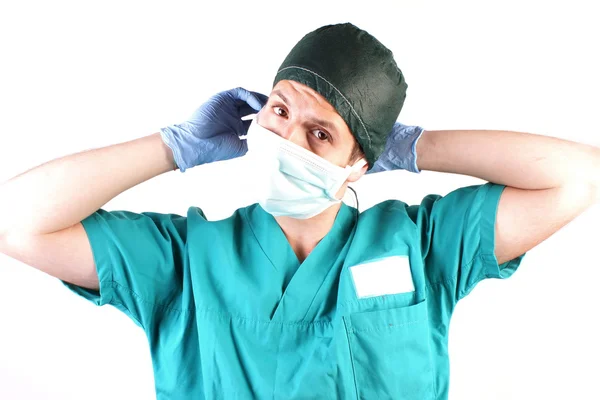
x,y
304,234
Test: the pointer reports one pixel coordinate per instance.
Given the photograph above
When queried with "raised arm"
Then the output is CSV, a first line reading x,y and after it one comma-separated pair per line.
x,y
60,193
41,209
549,181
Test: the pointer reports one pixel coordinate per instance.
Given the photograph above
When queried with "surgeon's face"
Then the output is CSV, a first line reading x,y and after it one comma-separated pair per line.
x,y
300,114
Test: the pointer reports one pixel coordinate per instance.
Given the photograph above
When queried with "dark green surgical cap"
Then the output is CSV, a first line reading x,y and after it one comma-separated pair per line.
x,y
357,74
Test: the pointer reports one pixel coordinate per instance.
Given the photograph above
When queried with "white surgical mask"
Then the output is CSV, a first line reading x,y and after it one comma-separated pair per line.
x,y
293,181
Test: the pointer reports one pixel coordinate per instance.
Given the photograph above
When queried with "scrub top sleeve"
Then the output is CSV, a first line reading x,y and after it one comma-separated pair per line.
x,y
139,260
458,238
487,234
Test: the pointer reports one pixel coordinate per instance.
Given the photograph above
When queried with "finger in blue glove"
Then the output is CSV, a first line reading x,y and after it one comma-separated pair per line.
x,y
213,131
400,150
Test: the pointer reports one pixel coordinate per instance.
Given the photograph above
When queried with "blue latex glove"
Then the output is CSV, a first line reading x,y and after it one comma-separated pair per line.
x,y
213,131
400,150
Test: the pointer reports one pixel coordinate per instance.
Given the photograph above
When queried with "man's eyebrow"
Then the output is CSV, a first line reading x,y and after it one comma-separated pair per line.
x,y
278,93
323,122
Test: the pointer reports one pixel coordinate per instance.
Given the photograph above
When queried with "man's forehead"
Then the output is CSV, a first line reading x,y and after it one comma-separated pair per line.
x,y
296,91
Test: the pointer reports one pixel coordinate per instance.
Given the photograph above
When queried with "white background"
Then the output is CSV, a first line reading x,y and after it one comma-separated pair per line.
x,y
81,75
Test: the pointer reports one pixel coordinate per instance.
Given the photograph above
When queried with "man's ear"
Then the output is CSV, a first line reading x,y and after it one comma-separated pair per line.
x,y
358,174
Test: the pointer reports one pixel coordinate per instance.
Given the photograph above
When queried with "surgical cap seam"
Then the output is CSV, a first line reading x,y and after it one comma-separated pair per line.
x,y
340,93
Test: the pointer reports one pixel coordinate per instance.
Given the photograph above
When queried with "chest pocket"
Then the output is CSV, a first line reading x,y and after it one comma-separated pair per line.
x,y
390,353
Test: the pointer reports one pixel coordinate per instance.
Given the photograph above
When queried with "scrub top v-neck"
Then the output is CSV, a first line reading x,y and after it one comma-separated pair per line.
x,y
230,313
300,283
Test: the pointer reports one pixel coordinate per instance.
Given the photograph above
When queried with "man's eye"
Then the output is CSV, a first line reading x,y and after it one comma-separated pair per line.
x,y
280,111
322,136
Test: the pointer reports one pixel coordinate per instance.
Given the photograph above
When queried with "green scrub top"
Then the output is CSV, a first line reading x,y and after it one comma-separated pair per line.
x,y
230,313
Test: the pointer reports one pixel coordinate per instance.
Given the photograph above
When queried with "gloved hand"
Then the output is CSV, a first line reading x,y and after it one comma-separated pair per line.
x,y
212,132
400,150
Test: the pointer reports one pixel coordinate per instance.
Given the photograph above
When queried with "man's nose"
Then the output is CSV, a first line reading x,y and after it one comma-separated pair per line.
x,y
294,133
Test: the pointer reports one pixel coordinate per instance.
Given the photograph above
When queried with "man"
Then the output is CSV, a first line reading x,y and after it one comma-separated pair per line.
x,y
299,296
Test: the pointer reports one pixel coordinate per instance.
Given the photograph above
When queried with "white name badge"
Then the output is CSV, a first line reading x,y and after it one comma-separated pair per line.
x,y
390,275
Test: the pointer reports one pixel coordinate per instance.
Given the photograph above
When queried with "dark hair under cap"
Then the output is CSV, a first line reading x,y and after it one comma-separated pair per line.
x,y
357,74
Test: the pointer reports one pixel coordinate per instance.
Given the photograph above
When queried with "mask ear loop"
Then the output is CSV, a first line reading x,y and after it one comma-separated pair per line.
x,y
359,164
355,168
356,197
